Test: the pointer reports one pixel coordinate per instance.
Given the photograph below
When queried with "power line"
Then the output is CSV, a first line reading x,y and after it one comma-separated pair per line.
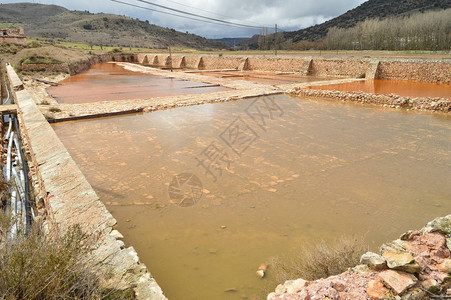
x,y
196,8
172,14
196,15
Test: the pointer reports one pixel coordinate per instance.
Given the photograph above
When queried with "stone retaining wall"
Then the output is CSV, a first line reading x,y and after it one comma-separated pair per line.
x,y
339,68
416,71
401,69
78,67
416,266
68,199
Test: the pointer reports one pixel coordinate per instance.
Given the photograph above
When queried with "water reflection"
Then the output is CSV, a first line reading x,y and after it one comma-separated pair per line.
x,y
321,170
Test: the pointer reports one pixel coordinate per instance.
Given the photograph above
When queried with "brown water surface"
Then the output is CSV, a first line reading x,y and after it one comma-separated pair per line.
x,y
318,170
108,82
399,87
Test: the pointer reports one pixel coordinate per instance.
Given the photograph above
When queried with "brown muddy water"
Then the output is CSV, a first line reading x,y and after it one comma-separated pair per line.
x,y
271,78
108,82
399,87
299,171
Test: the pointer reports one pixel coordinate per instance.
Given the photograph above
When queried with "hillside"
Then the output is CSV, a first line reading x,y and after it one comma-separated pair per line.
x,y
54,22
371,9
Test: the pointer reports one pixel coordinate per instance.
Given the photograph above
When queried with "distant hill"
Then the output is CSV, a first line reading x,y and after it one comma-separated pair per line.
x,y
230,41
369,10
58,23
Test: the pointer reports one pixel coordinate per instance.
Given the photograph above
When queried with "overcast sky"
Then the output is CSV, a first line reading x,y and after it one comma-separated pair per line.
x,y
288,14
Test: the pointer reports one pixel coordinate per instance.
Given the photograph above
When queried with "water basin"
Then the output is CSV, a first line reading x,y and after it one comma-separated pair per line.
x,y
399,87
108,81
265,175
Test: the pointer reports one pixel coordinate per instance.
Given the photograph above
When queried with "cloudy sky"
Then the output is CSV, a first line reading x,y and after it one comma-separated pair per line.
x,y
288,14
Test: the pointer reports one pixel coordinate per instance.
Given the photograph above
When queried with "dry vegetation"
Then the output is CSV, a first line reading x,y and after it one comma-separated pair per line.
x,y
3,188
319,260
38,266
421,31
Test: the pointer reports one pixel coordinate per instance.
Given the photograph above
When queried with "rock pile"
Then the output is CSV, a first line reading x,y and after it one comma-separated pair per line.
x,y
415,266
394,101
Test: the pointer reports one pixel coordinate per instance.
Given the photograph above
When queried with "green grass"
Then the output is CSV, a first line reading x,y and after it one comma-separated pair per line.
x,y
40,60
5,24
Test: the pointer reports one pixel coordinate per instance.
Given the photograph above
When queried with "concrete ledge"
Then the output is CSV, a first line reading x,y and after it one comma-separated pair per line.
x,y
8,109
69,199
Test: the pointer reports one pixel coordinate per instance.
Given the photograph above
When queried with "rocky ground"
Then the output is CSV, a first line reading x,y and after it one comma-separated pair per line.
x,y
416,266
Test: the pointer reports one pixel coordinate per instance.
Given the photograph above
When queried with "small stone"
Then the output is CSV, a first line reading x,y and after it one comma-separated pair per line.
x,y
415,294
445,266
293,286
431,285
271,296
401,260
376,289
396,245
361,269
116,234
442,225
338,285
280,289
223,227
374,261
398,281
231,290
261,271
303,295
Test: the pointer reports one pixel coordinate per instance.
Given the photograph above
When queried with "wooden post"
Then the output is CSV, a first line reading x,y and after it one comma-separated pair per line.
x,y
170,55
275,41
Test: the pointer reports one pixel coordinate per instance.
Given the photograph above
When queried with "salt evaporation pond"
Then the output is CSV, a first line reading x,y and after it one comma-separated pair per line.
x,y
319,170
109,81
404,88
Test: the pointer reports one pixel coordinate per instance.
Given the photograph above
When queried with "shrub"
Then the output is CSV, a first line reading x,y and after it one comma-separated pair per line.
x,y
4,187
38,266
54,109
37,59
319,260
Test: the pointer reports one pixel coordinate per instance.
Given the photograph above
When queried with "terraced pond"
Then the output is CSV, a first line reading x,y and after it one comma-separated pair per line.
x,y
399,87
108,81
273,172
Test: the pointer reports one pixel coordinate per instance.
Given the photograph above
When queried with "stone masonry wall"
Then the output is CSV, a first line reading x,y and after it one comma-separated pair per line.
x,y
339,68
219,63
416,71
280,64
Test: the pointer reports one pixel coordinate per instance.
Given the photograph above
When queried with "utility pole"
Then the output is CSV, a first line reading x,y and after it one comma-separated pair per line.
x,y
170,54
275,41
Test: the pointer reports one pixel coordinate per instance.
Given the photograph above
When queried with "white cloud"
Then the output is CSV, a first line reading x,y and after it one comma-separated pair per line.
x,y
288,14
